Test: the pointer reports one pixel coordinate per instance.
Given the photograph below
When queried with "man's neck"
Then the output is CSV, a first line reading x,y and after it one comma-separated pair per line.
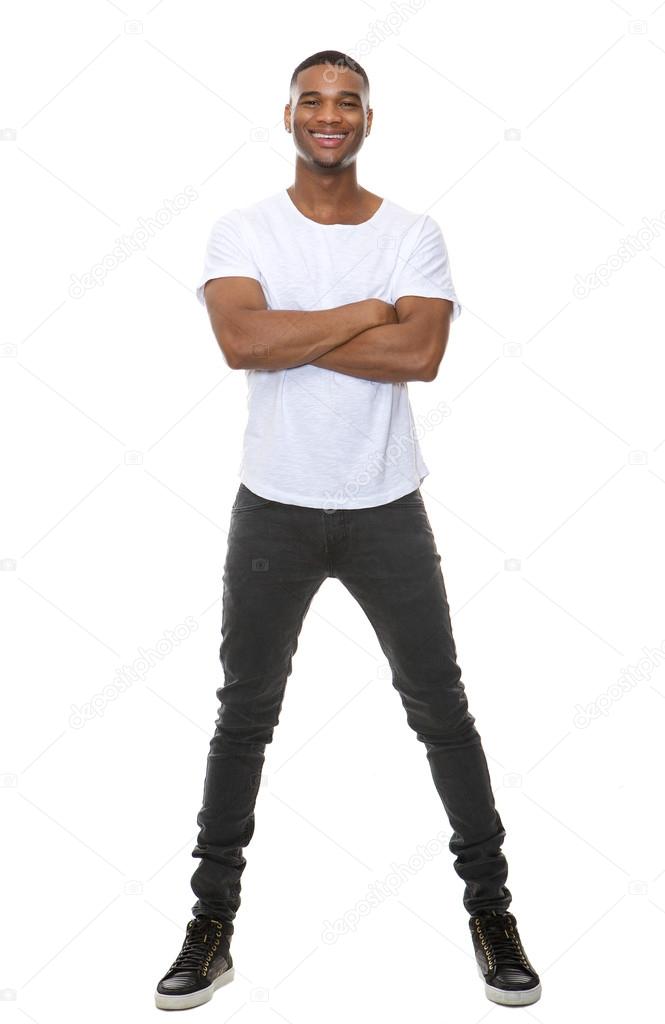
x,y
332,200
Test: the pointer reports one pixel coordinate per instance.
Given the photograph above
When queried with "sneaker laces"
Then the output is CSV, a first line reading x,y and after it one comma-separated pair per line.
x,y
199,943
499,930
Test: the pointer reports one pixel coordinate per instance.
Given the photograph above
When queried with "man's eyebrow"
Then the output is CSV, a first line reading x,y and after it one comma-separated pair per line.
x,y
342,92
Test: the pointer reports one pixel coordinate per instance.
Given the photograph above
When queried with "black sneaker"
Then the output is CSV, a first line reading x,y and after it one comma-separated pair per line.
x,y
502,963
202,965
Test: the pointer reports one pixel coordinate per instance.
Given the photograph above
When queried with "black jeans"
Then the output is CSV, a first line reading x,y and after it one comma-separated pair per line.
x,y
278,556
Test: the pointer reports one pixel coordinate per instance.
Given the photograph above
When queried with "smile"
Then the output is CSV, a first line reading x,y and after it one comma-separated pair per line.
x,y
328,138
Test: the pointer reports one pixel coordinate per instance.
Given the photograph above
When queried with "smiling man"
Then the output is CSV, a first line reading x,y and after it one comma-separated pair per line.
x,y
332,298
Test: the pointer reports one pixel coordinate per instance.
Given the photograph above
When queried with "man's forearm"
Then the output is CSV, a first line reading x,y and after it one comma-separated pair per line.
x,y
392,352
274,339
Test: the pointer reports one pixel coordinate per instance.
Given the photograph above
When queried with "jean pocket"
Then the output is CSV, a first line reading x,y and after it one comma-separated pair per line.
x,y
247,500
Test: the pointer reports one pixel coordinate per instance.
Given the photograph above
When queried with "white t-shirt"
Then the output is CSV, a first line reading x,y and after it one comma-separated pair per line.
x,y
315,437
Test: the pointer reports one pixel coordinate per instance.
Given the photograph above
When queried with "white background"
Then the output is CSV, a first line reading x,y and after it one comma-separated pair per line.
x,y
121,437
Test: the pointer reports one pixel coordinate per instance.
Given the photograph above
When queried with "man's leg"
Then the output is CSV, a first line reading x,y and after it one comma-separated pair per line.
x,y
390,564
274,566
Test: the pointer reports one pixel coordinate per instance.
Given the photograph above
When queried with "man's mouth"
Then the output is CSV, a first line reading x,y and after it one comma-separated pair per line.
x,y
328,139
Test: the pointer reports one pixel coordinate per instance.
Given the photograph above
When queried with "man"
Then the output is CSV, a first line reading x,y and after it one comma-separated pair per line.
x,y
332,299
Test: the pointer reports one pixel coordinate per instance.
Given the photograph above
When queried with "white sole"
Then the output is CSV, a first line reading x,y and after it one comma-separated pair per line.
x,y
497,995
187,1000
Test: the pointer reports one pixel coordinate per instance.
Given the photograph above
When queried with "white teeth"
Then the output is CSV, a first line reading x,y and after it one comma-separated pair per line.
x,y
322,135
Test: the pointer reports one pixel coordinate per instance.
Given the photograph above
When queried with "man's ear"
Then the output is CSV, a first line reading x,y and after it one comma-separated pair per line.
x,y
287,117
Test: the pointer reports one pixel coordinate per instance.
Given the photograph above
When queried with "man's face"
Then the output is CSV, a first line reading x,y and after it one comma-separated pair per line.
x,y
328,100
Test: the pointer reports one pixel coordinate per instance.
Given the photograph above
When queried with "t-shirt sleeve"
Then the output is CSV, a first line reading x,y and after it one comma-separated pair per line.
x,y
227,253
423,267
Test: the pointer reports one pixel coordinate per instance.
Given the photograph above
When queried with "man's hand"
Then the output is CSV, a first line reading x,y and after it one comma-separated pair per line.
x,y
385,312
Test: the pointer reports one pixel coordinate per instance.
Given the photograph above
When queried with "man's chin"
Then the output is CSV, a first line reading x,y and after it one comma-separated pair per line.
x,y
327,164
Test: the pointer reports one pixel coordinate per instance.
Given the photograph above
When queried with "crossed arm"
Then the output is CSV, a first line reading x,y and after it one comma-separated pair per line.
x,y
370,339
410,349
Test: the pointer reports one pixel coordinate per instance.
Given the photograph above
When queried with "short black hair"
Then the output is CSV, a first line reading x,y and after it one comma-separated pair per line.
x,y
335,57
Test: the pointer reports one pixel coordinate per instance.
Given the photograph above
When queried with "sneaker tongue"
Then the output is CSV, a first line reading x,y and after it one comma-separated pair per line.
x,y
501,939
201,918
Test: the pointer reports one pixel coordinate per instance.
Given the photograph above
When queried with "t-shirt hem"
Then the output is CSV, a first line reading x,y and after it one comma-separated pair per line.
x,y
286,497
433,293
226,271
